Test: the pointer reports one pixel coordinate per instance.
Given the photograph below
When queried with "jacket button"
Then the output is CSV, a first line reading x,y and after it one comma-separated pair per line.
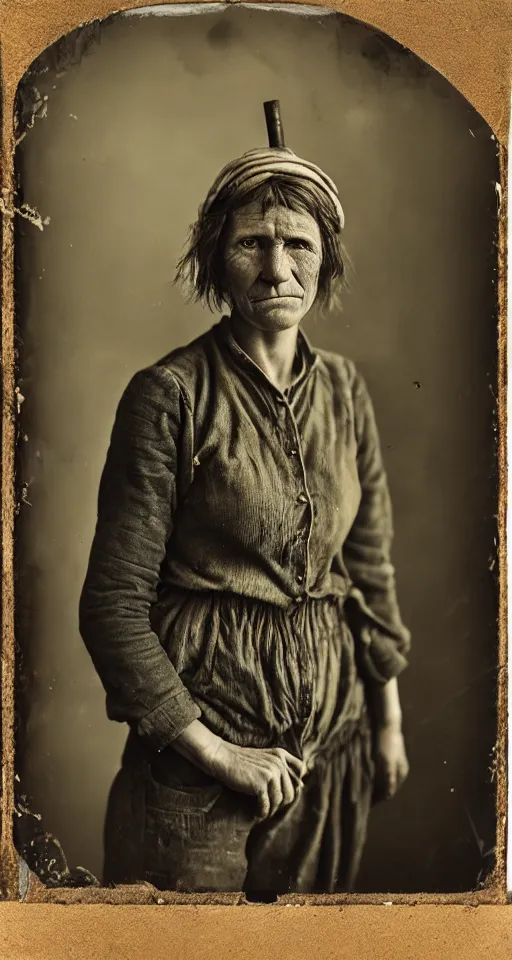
x,y
302,498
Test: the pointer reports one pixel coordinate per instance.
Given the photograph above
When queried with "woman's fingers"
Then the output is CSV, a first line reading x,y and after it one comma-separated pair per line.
x,y
383,780
392,784
396,776
264,803
275,793
402,773
294,763
289,785
273,775
281,785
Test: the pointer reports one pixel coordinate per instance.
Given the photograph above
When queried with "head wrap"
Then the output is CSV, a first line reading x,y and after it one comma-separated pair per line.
x,y
257,166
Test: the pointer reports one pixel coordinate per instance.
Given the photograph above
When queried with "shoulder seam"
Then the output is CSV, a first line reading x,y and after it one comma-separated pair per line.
x,y
179,386
343,363
159,368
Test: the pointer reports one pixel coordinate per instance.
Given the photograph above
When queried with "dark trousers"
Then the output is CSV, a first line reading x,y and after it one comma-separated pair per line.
x,y
173,826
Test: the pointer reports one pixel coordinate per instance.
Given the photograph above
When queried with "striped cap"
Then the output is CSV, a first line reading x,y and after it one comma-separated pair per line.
x,y
257,166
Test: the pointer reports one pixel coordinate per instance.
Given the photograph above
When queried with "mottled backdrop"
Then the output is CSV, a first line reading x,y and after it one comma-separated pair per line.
x,y
131,122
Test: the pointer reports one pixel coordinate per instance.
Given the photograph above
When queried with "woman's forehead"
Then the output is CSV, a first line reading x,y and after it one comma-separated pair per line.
x,y
274,219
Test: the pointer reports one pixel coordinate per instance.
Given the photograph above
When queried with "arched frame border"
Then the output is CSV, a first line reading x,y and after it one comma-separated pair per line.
x,y
470,43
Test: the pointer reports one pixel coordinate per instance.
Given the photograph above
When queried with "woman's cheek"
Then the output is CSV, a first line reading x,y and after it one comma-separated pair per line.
x,y
242,268
308,271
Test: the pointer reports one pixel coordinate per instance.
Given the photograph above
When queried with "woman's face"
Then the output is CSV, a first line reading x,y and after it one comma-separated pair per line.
x,y
272,263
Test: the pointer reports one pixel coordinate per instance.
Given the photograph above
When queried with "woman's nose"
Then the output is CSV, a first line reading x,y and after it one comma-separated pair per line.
x,y
276,265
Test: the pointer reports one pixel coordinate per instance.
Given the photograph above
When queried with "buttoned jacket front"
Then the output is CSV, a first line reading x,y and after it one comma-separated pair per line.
x,y
217,482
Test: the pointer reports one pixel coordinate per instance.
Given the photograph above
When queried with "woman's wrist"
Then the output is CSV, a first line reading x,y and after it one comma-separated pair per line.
x,y
385,705
393,724
198,744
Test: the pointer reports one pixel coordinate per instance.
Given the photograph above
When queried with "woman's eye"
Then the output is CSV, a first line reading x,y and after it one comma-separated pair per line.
x,y
249,243
297,244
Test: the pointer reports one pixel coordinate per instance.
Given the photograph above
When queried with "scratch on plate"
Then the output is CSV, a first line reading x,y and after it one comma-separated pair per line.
x,y
455,696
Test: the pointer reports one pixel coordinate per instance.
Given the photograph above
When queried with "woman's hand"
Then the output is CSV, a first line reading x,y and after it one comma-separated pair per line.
x,y
391,764
272,775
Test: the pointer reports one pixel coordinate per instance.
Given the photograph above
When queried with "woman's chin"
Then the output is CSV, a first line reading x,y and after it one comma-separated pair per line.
x,y
282,316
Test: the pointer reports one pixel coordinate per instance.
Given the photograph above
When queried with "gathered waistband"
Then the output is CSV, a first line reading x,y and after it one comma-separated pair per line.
x,y
264,675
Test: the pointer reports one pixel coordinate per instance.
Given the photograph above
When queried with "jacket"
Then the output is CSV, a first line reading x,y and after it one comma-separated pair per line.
x,y
218,484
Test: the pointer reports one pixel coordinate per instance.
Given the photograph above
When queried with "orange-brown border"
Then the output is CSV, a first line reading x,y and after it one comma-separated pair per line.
x,y
470,43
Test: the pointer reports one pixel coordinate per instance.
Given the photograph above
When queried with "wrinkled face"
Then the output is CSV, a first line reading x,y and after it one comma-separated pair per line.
x,y
272,263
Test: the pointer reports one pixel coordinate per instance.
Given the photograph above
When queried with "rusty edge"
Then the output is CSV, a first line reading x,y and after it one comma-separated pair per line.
x,y
495,891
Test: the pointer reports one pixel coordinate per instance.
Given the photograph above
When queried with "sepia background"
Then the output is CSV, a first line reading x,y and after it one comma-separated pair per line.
x,y
130,123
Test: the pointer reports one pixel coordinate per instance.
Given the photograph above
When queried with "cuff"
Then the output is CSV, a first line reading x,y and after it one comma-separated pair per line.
x,y
163,724
380,659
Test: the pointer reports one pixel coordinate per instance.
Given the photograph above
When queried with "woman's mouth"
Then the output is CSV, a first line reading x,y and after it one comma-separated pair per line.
x,y
277,299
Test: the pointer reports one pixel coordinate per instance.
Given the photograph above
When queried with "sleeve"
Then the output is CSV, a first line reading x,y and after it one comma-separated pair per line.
x,y
137,498
383,640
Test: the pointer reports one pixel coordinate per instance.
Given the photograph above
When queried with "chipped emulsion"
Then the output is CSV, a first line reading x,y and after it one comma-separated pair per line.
x,y
25,211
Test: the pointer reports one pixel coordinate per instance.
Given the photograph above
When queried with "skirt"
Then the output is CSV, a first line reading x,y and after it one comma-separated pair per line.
x,y
267,677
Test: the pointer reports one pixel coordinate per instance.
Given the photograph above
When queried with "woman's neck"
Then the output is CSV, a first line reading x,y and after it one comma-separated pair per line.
x,y
272,350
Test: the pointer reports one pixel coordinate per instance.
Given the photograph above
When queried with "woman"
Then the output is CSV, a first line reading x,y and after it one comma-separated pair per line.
x,y
239,604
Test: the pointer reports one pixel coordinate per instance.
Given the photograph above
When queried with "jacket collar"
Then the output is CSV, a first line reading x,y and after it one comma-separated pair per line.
x,y
306,357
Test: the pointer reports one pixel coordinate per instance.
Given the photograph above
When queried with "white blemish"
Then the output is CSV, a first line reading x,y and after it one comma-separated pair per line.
x,y
387,903
165,10
19,398
25,211
196,461
499,194
73,116
162,10
24,809
39,112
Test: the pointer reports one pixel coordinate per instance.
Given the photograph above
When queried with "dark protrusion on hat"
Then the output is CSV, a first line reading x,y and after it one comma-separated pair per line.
x,y
274,125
